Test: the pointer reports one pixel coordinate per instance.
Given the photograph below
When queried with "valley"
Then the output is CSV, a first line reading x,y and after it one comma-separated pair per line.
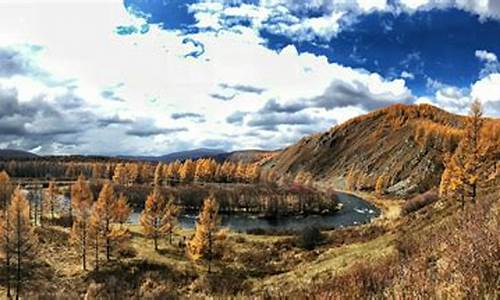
x,y
361,211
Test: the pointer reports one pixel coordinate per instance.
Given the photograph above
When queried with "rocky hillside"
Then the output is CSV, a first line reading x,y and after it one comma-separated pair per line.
x,y
402,147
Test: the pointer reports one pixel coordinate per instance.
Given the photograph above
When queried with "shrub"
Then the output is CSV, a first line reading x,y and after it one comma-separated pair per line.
x,y
420,201
309,237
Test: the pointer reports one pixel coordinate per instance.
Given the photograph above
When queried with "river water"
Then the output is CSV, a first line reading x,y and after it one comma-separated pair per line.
x,y
354,211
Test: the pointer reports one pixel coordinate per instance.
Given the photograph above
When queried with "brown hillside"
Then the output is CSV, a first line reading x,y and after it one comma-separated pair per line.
x,y
401,146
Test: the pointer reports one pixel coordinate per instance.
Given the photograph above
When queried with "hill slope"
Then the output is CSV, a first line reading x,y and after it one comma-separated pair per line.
x,y
403,145
16,154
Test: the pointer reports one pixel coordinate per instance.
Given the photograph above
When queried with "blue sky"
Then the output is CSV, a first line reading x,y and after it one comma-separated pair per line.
x,y
162,76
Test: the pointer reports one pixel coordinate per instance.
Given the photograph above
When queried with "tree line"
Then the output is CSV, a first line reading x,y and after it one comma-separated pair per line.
x,y
128,173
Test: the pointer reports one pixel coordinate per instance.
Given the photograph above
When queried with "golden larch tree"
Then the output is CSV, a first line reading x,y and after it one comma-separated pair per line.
x,y
463,169
103,215
21,237
152,217
5,251
120,175
51,194
170,218
6,189
81,203
380,185
132,172
187,170
158,179
122,210
207,238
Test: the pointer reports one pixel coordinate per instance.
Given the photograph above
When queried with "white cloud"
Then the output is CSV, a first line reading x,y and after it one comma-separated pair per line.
x,y
458,100
157,80
486,56
407,75
485,9
491,64
487,89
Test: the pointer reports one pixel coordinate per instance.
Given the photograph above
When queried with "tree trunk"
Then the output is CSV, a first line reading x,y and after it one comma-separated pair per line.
x,y
108,241
84,246
155,237
474,191
7,257
97,251
36,212
209,250
18,246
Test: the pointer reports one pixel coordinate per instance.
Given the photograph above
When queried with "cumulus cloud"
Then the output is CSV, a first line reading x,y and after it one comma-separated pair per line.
x,y
272,99
486,56
486,90
319,20
15,62
485,9
458,100
491,64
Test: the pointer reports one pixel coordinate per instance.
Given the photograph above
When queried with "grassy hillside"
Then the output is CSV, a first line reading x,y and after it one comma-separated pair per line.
x,y
403,144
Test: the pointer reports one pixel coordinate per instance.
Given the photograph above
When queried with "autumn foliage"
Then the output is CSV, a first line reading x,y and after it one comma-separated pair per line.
x,y
208,239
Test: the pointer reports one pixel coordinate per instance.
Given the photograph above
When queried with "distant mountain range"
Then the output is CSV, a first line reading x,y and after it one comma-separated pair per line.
x,y
16,154
182,155
246,156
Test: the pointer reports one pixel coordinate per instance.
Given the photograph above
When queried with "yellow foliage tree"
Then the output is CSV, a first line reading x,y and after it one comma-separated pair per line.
x,y
81,203
120,175
460,179
17,238
186,172
380,185
5,190
103,214
132,172
50,202
169,220
153,217
158,175
122,210
207,237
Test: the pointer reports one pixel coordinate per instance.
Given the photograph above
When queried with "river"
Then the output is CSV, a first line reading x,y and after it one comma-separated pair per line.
x,y
354,211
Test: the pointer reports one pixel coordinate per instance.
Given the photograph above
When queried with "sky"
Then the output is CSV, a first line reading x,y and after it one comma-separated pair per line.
x,y
144,77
